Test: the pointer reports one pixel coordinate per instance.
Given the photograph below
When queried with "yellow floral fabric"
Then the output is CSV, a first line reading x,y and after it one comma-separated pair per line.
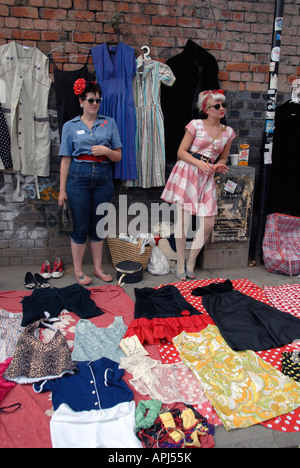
x,y
243,388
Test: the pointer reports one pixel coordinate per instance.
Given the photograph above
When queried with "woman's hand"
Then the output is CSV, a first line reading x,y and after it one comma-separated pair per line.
x,y
220,167
62,197
207,168
99,150
64,171
114,155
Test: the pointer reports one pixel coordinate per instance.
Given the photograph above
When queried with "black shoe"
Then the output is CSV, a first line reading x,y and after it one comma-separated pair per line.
x,y
30,282
41,282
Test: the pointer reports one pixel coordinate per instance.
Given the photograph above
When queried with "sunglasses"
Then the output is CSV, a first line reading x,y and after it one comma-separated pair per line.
x,y
91,101
217,106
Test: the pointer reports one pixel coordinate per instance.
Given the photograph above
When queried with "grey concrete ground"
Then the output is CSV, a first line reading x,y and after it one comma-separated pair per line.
x,y
12,278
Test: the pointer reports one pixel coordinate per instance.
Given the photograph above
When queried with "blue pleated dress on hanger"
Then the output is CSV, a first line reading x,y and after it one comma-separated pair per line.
x,y
115,68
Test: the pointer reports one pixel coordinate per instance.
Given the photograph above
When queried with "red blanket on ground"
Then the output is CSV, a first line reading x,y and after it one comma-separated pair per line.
x,y
29,426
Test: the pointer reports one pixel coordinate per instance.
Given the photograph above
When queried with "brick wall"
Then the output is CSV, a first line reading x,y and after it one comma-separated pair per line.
x,y
237,33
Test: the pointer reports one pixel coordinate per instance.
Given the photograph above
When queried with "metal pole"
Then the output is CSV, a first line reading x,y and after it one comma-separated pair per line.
x,y
261,196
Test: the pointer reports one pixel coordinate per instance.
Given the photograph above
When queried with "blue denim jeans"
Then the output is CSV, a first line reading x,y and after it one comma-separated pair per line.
x,y
88,185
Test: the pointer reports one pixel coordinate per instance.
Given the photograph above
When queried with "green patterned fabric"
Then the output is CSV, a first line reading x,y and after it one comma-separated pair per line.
x,y
242,387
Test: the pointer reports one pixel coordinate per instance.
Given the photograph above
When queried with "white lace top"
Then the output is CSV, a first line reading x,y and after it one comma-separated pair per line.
x,y
168,383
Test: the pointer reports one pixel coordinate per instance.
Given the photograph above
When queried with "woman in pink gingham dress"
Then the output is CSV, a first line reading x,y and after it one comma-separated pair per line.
x,y
203,152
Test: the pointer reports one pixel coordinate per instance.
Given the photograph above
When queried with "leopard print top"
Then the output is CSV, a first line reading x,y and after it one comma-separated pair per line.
x,y
34,360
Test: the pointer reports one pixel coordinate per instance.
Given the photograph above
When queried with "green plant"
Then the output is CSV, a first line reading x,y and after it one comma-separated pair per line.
x,y
116,20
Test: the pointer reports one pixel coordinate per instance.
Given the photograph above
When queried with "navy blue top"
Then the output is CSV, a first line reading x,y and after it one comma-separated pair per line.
x,y
78,139
97,385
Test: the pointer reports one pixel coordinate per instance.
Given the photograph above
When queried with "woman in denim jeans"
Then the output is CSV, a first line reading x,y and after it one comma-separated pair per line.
x,y
89,144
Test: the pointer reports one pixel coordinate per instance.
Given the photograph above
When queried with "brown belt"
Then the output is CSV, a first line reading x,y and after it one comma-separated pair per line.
x,y
90,157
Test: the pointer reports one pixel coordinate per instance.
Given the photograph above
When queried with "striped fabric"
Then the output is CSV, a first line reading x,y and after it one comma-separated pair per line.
x,y
187,184
150,138
10,330
281,244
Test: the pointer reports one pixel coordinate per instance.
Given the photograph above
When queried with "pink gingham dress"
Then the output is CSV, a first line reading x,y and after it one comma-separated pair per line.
x,y
187,185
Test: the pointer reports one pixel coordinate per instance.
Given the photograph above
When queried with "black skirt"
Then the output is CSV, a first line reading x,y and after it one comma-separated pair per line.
x,y
246,323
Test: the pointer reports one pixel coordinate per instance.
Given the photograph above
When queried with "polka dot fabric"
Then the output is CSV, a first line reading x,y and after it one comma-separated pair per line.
x,y
286,423
5,146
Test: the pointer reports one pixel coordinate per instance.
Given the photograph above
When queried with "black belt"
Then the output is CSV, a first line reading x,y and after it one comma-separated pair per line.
x,y
200,157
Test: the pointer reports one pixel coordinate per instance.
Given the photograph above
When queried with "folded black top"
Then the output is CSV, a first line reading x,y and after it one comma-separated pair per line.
x,y
74,298
166,301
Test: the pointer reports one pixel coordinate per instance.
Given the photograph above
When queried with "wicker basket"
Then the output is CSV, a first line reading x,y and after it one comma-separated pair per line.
x,y
121,250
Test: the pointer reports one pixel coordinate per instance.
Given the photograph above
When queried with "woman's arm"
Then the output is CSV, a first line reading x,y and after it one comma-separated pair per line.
x,y
187,157
64,172
114,155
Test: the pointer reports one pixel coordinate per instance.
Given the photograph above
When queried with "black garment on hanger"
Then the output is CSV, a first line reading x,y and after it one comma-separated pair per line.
x,y
67,102
5,142
195,70
246,323
283,192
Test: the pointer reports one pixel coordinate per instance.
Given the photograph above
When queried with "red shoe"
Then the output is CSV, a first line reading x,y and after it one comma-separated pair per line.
x,y
45,270
58,270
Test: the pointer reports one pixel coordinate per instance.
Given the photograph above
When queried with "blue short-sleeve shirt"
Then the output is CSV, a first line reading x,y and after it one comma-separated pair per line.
x,y
78,139
97,385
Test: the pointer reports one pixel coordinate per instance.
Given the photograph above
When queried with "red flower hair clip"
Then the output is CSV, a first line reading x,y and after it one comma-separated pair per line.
x,y
79,86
